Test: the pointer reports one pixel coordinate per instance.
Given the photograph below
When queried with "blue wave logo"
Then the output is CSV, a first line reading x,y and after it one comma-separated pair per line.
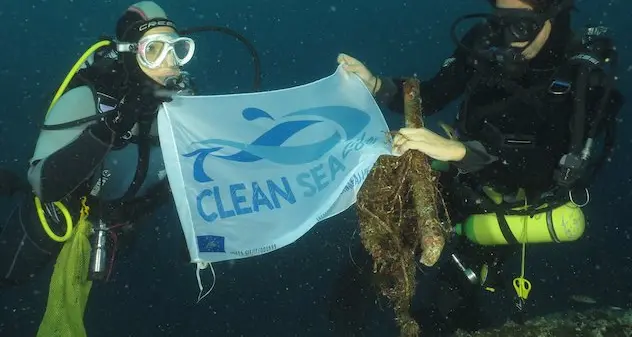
x,y
269,145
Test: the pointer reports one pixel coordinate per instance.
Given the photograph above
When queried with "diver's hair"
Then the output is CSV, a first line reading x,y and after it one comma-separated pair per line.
x,y
538,5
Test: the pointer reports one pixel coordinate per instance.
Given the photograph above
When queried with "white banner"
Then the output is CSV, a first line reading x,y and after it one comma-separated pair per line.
x,y
251,173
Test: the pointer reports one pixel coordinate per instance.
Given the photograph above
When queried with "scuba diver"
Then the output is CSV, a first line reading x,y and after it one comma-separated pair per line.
x,y
114,157
536,123
99,145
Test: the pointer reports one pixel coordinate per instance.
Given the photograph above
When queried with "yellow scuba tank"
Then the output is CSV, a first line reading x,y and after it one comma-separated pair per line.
x,y
562,224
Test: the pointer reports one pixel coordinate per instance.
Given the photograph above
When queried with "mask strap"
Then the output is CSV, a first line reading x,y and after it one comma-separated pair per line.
x,y
126,47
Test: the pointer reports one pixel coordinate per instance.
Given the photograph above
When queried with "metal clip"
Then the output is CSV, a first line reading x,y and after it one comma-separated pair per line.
x,y
471,276
558,87
98,258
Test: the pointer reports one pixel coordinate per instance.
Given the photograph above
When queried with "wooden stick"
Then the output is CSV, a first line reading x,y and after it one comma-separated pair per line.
x,y
423,183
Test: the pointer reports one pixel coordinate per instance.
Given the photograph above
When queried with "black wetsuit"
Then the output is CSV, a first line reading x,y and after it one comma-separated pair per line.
x,y
542,131
122,181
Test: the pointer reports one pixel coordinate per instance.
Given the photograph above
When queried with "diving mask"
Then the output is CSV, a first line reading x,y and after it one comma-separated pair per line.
x,y
509,31
152,50
493,46
517,25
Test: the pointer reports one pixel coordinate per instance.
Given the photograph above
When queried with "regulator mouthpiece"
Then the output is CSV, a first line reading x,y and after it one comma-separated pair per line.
x,y
180,84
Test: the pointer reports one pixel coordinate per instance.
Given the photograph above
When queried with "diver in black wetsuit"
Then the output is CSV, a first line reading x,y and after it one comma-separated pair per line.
x,y
537,98
100,141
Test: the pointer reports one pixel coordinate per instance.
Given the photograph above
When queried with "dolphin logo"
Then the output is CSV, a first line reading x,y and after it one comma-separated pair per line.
x,y
269,145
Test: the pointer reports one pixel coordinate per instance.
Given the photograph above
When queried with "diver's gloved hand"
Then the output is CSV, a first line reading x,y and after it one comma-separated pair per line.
x,y
354,66
139,103
143,104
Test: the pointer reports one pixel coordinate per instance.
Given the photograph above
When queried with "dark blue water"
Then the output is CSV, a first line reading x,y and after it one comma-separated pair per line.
x,y
290,292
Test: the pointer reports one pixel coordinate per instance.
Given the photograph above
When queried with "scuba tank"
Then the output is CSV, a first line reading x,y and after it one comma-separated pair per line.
x,y
562,224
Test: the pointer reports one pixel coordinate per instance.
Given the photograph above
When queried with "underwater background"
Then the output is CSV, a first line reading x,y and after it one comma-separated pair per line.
x,y
308,288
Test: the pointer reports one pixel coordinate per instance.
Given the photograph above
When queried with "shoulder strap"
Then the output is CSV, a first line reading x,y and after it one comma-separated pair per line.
x,y
103,74
144,147
97,68
594,59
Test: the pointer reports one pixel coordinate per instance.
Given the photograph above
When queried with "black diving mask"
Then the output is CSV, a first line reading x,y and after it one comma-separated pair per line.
x,y
504,28
517,25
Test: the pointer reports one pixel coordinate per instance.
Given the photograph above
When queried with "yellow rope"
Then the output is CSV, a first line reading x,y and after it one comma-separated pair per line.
x,y
522,285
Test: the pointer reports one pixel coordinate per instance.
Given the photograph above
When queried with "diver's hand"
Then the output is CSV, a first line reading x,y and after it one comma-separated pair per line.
x,y
137,104
428,142
352,65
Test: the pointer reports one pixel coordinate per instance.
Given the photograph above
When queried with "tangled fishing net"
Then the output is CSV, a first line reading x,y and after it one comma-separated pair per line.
x,y
399,207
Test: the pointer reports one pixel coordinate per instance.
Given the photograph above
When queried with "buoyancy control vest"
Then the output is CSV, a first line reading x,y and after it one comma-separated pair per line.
x,y
543,127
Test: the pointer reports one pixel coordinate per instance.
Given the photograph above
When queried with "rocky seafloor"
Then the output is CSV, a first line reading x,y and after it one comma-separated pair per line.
x,y
604,322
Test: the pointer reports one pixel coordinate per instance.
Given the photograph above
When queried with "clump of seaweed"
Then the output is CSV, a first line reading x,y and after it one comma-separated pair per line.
x,y
398,207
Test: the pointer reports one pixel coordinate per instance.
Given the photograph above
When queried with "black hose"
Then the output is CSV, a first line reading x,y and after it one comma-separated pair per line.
x,y
579,118
253,52
77,122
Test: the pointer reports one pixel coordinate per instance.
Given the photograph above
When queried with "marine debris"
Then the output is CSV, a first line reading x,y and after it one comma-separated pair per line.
x,y
399,206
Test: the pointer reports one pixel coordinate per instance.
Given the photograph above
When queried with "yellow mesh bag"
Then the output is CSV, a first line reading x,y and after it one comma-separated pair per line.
x,y
69,286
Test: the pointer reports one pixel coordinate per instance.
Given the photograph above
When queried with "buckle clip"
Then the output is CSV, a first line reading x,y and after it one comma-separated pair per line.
x,y
558,87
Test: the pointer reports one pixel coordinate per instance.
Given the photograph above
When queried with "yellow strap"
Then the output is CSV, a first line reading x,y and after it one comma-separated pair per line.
x,y
522,285
46,226
85,209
